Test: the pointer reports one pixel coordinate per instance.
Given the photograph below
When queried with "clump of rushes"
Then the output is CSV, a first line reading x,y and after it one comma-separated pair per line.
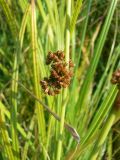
x,y
60,75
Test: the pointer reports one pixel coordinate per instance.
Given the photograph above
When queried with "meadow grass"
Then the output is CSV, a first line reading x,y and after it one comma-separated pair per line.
x,y
80,123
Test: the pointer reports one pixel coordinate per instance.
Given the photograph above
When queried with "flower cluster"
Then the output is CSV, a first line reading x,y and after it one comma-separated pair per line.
x,y
116,77
60,75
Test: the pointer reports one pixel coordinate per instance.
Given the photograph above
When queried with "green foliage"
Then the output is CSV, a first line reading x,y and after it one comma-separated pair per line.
x,y
34,125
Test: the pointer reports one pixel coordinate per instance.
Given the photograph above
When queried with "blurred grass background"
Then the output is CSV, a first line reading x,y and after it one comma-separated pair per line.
x,y
88,33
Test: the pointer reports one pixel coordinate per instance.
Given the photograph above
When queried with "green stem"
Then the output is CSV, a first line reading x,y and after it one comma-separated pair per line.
x,y
67,45
36,75
14,134
109,147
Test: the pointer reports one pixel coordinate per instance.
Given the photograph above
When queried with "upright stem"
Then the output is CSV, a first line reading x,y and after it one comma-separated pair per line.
x,y
36,75
67,40
67,44
14,134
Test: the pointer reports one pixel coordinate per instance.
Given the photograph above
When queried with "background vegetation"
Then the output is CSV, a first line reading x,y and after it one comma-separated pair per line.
x,y
88,32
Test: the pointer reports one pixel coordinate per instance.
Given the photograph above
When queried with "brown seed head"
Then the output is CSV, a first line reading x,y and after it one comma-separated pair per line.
x,y
60,75
116,77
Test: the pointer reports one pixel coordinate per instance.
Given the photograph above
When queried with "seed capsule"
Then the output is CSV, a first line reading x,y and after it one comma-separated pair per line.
x,y
60,54
51,93
56,91
71,64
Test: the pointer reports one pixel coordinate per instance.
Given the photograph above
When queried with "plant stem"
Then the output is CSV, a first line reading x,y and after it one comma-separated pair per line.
x,y
36,72
67,44
14,134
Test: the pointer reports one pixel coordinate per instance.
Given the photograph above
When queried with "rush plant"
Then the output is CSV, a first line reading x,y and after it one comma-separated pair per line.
x,y
57,60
